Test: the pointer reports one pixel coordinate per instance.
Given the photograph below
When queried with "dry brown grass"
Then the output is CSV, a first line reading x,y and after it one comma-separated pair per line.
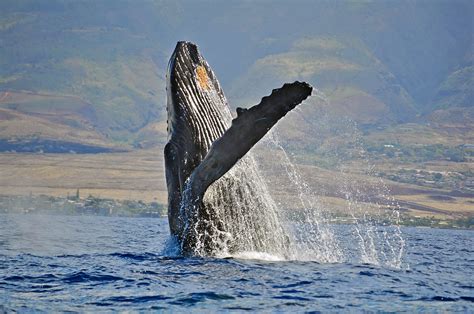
x,y
135,175
333,188
139,175
456,204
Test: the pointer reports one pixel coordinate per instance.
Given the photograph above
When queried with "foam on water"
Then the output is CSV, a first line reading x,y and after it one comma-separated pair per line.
x,y
260,256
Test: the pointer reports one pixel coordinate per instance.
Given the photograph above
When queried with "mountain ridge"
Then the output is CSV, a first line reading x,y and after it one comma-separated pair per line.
x,y
377,63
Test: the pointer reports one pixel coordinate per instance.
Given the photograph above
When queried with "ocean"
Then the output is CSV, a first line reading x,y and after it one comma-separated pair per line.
x,y
92,263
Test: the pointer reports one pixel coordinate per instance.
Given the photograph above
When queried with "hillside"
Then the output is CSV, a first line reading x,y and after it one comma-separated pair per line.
x,y
76,53
356,83
377,62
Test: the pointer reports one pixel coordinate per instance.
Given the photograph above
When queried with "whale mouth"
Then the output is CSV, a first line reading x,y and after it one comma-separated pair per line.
x,y
190,48
196,102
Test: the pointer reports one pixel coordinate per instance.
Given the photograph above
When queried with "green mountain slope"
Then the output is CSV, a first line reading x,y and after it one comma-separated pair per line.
x,y
377,62
457,90
84,50
355,81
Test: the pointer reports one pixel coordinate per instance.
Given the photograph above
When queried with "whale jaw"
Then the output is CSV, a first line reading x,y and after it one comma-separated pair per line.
x,y
196,102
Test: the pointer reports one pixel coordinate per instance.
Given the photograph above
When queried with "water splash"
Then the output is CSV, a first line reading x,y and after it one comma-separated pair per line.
x,y
247,223
313,238
377,231
237,215
376,235
375,213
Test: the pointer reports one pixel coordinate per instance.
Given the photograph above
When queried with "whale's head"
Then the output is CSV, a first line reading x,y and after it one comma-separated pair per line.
x,y
198,112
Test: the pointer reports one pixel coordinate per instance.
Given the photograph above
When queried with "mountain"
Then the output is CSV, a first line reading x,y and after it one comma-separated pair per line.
x,y
457,90
99,66
354,80
84,52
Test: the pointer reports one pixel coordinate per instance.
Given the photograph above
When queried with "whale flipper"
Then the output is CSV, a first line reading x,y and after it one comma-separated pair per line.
x,y
246,130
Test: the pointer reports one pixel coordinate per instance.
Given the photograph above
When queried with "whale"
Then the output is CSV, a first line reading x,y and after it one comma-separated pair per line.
x,y
217,200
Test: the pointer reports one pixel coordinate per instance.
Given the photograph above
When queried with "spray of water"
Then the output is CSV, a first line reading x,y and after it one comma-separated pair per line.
x,y
237,215
376,233
245,222
313,237
376,230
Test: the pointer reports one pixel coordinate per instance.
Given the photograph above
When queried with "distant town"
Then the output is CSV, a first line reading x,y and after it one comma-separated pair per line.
x,y
95,206
76,205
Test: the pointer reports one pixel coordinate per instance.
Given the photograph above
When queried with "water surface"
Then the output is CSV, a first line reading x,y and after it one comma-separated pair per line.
x,y
86,263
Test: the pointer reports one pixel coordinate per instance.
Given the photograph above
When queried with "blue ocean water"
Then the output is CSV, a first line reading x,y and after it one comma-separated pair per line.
x,y
86,263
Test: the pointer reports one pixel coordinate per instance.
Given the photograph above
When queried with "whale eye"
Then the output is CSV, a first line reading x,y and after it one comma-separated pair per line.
x,y
202,77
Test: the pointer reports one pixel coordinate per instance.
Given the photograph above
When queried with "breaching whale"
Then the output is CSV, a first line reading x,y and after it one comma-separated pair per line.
x,y
217,202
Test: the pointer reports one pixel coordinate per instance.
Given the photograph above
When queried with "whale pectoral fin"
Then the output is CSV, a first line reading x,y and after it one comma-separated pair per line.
x,y
246,130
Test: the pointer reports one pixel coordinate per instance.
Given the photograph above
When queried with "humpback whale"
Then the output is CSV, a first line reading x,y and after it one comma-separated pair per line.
x,y
217,201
